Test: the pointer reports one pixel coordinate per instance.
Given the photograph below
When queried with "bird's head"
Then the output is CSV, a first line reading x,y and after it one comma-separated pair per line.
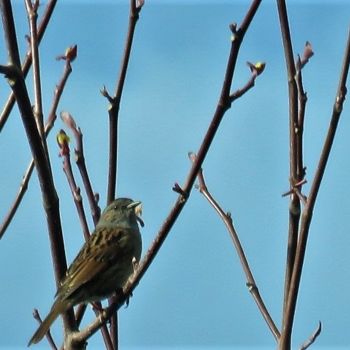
x,y
123,212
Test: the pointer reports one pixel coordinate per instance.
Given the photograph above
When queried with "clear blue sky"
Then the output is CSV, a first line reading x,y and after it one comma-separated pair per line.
x,y
194,293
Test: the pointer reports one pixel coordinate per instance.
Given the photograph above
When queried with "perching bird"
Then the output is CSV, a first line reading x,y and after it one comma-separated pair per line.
x,y
104,263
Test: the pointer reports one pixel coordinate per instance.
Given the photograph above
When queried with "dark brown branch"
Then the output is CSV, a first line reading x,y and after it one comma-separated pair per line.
x,y
308,209
48,126
295,176
223,105
251,284
49,338
28,60
42,163
312,338
113,110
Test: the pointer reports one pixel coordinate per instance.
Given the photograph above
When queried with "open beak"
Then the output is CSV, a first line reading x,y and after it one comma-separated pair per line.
x,y
137,205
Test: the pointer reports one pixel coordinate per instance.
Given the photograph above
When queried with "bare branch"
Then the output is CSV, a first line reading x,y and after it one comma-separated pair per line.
x,y
63,143
34,46
80,160
295,176
113,110
227,219
42,163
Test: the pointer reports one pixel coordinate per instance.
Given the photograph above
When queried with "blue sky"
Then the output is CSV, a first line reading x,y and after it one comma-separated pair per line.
x,y
194,293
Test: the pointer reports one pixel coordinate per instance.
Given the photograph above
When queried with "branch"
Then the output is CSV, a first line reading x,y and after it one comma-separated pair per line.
x,y
63,143
308,209
295,176
223,105
227,219
28,61
48,126
80,160
42,162
113,110
34,46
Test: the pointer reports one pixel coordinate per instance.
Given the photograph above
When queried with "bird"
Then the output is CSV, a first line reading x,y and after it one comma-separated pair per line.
x,y
103,264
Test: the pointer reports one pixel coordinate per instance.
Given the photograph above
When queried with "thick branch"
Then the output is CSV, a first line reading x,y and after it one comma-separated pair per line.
x,y
294,206
42,164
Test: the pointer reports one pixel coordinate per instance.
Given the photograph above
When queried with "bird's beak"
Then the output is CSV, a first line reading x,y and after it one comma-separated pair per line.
x,y
137,205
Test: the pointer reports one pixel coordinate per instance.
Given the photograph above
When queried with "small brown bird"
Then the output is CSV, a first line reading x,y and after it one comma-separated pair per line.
x,y
104,263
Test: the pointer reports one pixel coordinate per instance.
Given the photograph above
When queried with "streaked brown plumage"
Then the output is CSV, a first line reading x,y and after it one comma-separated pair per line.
x,y
103,264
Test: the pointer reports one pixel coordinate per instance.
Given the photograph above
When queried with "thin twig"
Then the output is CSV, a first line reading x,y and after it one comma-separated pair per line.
x,y
48,126
80,160
34,47
308,209
312,338
223,105
227,219
28,61
63,143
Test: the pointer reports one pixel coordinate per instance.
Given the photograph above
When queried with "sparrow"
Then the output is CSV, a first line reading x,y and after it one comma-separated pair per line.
x,y
103,264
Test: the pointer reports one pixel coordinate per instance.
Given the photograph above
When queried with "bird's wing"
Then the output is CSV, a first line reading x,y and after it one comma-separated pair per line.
x,y
105,247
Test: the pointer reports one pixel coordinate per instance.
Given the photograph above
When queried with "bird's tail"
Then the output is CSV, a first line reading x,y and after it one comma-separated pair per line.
x,y
57,308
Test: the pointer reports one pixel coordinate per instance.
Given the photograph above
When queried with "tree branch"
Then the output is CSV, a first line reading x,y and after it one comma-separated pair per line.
x,y
227,219
80,160
295,176
42,163
113,110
